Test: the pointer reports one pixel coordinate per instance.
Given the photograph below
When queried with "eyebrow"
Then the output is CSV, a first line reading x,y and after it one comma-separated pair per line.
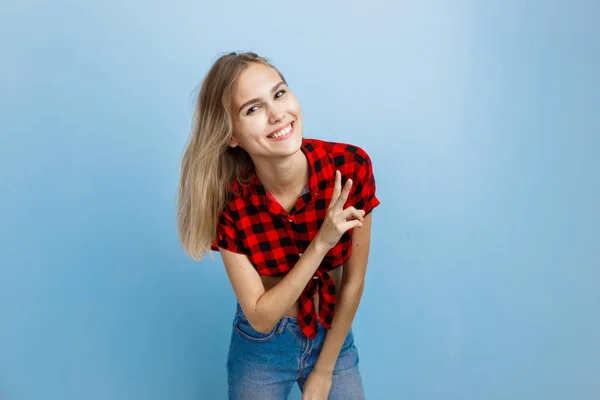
x,y
256,99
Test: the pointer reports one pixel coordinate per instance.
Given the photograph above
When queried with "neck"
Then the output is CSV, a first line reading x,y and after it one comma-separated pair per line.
x,y
285,175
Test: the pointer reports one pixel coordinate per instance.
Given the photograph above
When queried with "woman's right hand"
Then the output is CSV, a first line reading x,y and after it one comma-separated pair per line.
x,y
338,220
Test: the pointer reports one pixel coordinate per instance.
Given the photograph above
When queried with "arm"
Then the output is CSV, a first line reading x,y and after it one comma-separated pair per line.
x,y
351,289
264,308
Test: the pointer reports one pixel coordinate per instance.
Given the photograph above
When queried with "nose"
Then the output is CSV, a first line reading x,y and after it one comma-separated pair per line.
x,y
276,114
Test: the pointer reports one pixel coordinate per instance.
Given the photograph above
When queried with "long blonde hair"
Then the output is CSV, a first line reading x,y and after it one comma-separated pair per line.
x,y
209,164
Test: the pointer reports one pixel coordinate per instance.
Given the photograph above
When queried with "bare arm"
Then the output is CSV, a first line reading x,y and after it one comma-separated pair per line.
x,y
264,308
351,290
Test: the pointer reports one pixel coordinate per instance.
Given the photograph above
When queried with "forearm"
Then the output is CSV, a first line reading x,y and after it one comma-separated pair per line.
x,y
275,302
346,307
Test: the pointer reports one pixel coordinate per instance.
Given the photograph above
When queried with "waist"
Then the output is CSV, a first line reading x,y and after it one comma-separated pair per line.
x,y
270,281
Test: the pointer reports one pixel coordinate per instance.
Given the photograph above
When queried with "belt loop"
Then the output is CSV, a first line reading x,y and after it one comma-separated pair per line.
x,y
282,325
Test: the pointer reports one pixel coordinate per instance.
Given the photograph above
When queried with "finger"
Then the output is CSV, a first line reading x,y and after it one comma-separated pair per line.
x,y
352,212
344,195
337,188
351,224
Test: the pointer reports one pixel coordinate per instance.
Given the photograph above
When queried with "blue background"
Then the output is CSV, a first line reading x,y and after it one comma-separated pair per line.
x,y
482,121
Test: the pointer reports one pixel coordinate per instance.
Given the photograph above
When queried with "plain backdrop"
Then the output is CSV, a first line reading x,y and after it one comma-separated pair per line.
x,y
482,122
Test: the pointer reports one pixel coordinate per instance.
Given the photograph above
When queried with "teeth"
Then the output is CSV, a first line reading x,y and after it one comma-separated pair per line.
x,y
282,132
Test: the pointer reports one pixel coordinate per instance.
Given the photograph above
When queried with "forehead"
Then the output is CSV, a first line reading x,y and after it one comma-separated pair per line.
x,y
256,80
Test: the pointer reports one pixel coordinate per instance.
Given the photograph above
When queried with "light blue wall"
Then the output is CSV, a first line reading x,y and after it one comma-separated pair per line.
x,y
482,122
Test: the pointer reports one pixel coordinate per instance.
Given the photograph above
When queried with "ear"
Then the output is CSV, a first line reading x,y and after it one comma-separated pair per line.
x,y
233,143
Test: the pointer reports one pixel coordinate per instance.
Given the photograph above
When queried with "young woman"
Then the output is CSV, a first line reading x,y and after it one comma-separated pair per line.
x,y
291,219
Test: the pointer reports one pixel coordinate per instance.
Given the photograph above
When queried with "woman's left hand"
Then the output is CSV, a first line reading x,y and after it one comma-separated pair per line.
x,y
317,386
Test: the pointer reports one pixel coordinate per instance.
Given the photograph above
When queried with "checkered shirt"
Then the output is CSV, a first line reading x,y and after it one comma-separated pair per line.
x,y
253,223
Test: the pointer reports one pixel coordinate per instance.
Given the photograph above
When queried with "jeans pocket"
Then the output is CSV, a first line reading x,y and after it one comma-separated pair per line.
x,y
245,330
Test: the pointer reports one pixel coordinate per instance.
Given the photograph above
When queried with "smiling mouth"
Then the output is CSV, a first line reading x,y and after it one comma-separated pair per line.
x,y
282,133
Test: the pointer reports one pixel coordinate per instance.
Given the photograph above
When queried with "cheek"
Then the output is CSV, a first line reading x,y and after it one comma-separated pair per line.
x,y
295,106
247,128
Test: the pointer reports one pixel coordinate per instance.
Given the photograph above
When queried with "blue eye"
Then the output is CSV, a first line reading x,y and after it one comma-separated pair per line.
x,y
279,94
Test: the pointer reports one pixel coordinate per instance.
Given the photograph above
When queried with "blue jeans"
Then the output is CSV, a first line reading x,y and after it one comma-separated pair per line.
x,y
265,366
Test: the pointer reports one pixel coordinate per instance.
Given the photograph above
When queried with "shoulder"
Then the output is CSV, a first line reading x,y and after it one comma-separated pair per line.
x,y
235,201
342,153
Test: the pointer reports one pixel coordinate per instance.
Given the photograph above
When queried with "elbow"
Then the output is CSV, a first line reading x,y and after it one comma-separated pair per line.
x,y
261,326
264,328
260,322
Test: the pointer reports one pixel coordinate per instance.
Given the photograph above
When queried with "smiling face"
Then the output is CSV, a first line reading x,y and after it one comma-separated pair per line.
x,y
267,120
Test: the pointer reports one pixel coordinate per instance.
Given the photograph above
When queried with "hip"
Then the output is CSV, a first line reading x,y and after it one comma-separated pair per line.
x,y
284,348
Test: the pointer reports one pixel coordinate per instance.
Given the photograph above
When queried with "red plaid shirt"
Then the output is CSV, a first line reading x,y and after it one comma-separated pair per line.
x,y
254,223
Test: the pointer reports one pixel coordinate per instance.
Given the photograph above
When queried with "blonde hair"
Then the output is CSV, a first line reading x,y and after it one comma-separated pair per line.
x,y
209,164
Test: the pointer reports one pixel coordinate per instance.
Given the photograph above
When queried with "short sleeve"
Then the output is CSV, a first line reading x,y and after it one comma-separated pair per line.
x,y
364,197
227,236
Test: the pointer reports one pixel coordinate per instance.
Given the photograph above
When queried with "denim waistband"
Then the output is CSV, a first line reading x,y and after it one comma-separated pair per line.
x,y
285,321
